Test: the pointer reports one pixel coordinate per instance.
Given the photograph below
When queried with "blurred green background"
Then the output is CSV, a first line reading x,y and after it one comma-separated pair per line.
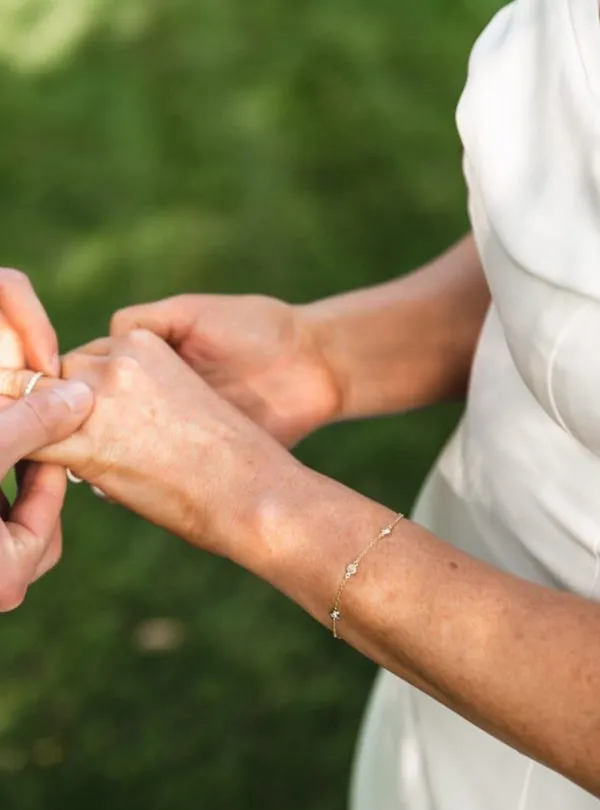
x,y
150,147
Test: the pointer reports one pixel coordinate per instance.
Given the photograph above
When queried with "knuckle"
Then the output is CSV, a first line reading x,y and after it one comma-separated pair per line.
x,y
72,363
120,321
67,365
124,372
142,338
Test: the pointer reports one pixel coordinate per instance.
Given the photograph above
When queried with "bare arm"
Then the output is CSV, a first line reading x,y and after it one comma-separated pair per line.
x,y
408,343
293,369
519,660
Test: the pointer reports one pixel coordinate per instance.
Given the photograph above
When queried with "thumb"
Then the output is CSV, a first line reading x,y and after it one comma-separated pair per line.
x,y
45,417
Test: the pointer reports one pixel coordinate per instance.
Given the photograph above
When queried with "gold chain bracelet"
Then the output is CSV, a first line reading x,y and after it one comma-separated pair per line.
x,y
352,570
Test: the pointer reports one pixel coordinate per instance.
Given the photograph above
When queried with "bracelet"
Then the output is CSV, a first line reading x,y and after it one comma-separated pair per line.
x,y
352,570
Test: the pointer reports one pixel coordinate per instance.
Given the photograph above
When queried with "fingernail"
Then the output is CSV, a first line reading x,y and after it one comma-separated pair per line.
x,y
76,394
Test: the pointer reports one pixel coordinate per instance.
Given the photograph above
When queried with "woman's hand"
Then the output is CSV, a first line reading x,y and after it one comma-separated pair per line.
x,y
386,349
161,442
258,353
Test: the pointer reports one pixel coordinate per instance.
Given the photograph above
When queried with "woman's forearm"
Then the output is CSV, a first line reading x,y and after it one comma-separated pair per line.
x,y
408,343
519,660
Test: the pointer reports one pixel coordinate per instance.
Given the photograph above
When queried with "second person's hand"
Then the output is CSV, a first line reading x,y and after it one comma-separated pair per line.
x,y
30,538
258,353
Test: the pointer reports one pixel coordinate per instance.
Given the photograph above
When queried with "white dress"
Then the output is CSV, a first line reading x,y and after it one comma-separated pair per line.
x,y
519,483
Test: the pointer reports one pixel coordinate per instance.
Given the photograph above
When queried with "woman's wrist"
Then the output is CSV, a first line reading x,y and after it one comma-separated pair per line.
x,y
301,531
251,474
321,322
373,344
315,323
405,344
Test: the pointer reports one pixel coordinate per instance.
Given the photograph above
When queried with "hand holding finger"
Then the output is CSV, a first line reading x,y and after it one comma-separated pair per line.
x,y
30,542
160,440
45,417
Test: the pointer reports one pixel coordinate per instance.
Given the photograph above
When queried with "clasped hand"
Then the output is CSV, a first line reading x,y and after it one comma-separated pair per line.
x,y
181,416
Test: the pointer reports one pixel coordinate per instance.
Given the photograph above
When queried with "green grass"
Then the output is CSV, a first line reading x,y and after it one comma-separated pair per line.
x,y
150,147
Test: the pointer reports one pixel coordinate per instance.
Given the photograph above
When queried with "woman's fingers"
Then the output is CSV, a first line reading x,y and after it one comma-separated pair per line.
x,y
45,417
170,319
73,452
14,382
64,447
99,348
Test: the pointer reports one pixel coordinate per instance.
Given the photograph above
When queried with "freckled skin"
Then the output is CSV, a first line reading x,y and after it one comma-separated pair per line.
x,y
161,441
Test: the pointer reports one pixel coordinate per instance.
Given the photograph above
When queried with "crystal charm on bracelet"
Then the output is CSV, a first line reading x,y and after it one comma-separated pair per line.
x,y
352,570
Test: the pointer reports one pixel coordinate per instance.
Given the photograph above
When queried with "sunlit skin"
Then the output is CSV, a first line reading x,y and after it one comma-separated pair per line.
x,y
164,440
30,531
